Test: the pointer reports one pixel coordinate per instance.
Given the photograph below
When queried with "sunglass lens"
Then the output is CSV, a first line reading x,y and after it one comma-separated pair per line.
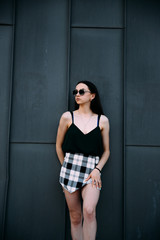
x,y
75,92
81,92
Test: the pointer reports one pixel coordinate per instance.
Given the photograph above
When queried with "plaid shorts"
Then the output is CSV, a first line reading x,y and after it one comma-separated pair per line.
x,y
75,169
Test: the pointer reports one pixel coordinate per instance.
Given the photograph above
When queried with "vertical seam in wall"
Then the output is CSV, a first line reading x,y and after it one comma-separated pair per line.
x,y
124,125
8,130
68,86
68,52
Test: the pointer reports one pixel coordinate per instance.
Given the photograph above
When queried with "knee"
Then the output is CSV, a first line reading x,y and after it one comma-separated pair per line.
x,y
76,217
89,213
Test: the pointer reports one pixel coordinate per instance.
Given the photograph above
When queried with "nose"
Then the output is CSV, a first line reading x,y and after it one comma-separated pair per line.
x,y
77,93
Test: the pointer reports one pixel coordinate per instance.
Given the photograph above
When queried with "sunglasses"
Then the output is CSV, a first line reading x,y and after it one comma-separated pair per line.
x,y
81,92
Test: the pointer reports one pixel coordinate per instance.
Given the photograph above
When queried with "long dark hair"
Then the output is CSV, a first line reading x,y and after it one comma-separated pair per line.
x,y
95,106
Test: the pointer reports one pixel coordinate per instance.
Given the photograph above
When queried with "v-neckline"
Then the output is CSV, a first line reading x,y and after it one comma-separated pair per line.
x,y
81,130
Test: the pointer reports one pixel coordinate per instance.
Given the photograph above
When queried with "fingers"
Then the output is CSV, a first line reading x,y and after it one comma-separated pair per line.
x,y
97,183
93,182
96,180
88,177
100,184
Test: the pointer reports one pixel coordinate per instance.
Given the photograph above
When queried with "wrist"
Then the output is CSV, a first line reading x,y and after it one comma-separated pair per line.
x,y
98,169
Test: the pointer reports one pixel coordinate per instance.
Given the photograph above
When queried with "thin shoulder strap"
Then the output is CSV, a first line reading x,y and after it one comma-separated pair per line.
x,y
98,120
72,117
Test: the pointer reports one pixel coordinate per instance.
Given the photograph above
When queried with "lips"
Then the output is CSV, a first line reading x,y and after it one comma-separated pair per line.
x,y
77,98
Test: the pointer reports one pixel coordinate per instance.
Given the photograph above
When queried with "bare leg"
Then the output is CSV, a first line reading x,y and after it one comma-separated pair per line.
x,y
74,205
90,197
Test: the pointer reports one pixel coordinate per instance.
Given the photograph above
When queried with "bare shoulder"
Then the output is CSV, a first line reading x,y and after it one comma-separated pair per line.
x,y
66,118
104,122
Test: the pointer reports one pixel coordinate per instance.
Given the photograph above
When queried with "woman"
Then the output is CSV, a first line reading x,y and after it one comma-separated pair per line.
x,y
83,149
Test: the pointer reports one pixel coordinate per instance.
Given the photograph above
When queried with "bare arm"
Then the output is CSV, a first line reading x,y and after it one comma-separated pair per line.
x,y
95,175
105,137
64,123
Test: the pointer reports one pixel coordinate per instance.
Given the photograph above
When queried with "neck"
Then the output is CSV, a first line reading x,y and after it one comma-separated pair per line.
x,y
85,109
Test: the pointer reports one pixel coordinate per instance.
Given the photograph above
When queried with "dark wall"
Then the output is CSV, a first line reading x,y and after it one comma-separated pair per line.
x,y
142,128
46,47
35,202
6,63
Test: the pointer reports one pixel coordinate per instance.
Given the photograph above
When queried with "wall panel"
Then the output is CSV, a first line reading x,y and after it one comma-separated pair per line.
x,y
5,92
35,200
40,70
97,56
86,13
142,180
142,94
143,193
6,11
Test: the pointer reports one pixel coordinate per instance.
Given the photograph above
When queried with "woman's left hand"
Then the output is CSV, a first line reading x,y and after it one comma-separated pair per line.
x,y
96,178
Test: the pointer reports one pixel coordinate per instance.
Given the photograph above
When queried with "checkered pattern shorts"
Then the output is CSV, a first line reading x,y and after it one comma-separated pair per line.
x,y
75,169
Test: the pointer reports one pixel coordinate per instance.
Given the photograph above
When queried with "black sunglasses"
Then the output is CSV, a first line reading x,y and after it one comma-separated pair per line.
x,y
81,92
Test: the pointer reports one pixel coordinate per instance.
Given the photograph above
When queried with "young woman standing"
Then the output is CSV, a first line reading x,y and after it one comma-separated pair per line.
x,y
83,149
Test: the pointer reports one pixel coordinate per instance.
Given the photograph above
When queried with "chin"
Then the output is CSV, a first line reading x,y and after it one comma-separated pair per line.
x,y
78,101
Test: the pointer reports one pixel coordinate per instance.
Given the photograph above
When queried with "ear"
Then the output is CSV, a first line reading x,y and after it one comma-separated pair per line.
x,y
93,96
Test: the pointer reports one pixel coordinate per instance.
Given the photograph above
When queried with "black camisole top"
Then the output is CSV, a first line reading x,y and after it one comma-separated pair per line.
x,y
76,141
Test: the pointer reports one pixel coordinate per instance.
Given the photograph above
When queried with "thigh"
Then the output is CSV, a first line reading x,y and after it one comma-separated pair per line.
x,y
90,195
73,200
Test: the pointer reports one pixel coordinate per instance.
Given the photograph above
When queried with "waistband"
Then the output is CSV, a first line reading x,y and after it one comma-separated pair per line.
x,y
82,156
